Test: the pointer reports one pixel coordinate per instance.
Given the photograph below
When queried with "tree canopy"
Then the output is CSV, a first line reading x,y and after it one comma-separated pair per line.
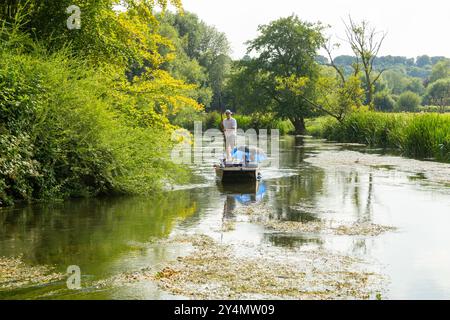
x,y
282,76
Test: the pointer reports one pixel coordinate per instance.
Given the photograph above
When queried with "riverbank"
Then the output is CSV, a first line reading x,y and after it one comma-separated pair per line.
x,y
422,136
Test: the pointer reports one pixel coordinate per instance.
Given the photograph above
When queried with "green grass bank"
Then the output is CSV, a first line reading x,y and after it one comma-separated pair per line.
x,y
415,135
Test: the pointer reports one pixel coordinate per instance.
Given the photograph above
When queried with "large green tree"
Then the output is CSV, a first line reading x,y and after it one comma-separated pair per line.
x,y
184,67
282,77
206,45
122,35
71,122
441,70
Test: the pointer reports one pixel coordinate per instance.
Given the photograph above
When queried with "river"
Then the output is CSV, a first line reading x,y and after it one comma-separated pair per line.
x,y
316,181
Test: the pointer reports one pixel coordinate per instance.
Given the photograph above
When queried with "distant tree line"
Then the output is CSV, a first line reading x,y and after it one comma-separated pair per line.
x,y
406,83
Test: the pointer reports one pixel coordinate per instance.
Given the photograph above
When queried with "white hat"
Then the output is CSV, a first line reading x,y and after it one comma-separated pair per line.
x,y
228,111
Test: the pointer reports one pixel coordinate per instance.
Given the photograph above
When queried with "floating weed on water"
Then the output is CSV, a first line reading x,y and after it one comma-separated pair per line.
x,y
311,209
228,225
294,226
260,214
417,176
321,227
383,167
216,271
166,273
138,246
15,273
213,271
362,229
193,239
126,278
256,209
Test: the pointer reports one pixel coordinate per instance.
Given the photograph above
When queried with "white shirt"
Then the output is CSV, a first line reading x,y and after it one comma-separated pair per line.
x,y
230,126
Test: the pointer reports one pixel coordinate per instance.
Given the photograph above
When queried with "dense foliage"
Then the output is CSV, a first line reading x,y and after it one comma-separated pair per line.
x,y
75,117
202,56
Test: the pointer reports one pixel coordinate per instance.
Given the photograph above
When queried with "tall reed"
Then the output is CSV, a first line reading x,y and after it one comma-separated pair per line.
x,y
416,135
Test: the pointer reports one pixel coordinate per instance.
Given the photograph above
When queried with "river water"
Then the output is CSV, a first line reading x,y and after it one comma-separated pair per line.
x,y
106,237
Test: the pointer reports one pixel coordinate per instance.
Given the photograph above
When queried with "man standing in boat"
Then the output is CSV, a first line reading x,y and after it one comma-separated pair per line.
x,y
230,130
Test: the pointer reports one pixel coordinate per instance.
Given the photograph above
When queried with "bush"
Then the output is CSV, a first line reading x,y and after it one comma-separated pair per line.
x,y
64,132
438,93
408,101
82,115
383,101
17,167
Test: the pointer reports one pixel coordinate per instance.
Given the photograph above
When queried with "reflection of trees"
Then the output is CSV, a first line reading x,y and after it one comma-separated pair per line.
x,y
90,232
359,246
229,206
362,199
354,187
291,152
368,211
291,241
303,188
232,191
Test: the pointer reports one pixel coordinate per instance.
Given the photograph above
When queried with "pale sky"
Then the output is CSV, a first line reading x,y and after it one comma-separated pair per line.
x,y
414,27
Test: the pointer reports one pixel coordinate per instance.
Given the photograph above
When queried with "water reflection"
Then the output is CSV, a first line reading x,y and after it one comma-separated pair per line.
x,y
106,236
89,233
242,193
292,241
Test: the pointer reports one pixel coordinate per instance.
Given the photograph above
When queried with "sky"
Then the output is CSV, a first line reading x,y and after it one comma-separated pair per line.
x,y
413,27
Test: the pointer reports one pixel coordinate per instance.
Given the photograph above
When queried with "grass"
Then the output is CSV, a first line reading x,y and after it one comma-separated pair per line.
x,y
415,135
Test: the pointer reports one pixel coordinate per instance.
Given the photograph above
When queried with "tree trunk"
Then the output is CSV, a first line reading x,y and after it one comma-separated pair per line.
x,y
369,91
299,125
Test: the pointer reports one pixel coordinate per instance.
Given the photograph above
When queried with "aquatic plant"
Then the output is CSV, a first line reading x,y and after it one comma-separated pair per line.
x,y
416,135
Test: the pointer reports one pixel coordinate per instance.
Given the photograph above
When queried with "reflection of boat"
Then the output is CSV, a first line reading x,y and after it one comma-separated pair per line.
x,y
243,193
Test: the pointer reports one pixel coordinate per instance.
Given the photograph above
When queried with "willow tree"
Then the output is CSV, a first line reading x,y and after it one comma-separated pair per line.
x,y
285,52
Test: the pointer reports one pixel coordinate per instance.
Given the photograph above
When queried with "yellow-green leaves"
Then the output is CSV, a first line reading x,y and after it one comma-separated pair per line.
x,y
338,98
292,83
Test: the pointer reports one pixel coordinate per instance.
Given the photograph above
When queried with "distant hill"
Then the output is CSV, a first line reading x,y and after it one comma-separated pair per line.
x,y
419,67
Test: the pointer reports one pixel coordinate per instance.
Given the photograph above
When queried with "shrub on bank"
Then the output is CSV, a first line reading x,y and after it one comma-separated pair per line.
x,y
416,135
408,101
383,101
65,133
